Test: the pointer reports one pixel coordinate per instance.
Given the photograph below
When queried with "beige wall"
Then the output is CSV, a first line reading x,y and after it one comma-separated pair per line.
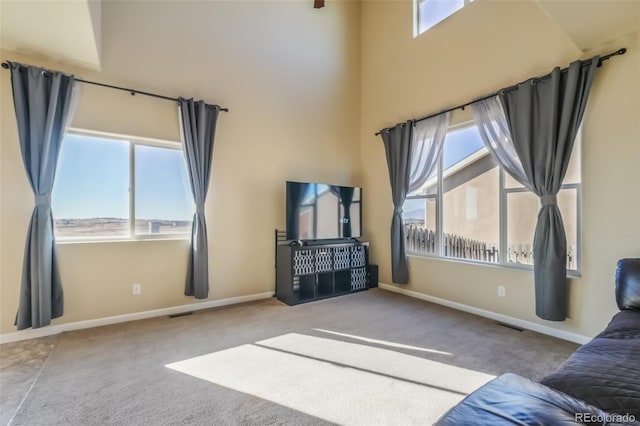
x,y
290,76
298,82
489,45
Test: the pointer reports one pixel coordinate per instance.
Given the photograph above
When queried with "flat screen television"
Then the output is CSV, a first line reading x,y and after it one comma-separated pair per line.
x,y
317,211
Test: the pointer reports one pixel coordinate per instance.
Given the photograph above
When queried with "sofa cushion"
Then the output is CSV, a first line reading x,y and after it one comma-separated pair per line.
x,y
513,400
623,325
606,371
628,284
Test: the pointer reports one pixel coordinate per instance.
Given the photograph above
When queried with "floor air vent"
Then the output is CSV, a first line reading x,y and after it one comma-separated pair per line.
x,y
180,315
512,327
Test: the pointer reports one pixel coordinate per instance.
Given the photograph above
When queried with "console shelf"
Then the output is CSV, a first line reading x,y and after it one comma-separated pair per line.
x,y
307,273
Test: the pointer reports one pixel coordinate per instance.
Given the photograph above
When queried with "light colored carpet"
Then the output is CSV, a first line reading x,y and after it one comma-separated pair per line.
x,y
20,364
368,358
345,383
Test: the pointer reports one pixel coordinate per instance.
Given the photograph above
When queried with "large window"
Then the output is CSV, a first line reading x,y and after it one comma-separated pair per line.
x,y
470,209
114,187
428,13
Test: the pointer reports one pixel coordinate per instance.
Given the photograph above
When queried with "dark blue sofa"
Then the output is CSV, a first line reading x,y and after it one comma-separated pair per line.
x,y
598,385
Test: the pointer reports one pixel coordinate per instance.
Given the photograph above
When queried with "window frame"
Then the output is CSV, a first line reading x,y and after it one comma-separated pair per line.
x,y
133,141
416,16
503,225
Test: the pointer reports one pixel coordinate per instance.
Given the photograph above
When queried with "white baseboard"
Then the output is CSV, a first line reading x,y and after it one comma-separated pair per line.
x,y
79,325
539,328
33,333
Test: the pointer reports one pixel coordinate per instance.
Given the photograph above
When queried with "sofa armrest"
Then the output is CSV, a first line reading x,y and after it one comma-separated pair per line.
x,y
628,284
514,400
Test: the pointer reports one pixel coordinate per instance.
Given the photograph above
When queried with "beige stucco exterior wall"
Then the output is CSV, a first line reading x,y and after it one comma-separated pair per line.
x,y
289,75
471,209
490,45
477,217
457,208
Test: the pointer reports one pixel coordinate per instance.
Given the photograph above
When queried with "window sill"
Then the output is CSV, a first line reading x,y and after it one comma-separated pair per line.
x,y
520,266
71,241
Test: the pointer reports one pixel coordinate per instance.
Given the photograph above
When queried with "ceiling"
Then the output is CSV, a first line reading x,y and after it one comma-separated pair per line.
x,y
70,30
592,23
61,30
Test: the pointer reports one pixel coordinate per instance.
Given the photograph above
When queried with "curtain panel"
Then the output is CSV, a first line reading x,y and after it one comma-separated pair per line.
x,y
198,124
544,116
426,148
397,146
413,152
493,127
43,102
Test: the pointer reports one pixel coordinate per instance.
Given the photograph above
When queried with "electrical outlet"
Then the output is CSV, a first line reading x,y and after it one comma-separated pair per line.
x,y
137,289
502,291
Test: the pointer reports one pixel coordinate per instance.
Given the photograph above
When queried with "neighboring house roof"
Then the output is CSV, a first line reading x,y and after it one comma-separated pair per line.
x,y
464,158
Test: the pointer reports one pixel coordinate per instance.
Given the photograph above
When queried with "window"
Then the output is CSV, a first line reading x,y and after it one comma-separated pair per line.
x,y
115,187
428,13
470,209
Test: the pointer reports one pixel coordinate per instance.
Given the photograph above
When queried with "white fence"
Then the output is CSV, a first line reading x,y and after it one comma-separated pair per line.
x,y
423,241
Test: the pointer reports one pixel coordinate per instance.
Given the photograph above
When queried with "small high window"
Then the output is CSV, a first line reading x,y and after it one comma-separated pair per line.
x,y
428,13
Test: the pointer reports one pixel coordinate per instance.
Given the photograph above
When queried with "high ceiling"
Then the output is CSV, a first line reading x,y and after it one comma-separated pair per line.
x,y
70,30
591,24
61,30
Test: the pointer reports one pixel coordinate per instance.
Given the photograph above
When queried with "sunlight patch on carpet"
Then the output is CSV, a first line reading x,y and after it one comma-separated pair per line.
x,y
383,342
340,382
382,361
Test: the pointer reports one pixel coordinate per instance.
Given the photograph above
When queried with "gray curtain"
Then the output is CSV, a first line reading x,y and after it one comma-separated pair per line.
x,y
544,116
397,146
413,152
43,103
198,123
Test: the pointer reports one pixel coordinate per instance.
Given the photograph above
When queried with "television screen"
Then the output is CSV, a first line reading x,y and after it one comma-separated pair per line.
x,y
317,211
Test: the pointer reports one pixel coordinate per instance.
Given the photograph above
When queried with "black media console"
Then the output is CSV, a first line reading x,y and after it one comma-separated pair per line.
x,y
311,272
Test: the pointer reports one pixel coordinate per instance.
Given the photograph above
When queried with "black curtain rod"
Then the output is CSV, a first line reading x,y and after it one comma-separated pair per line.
x,y
621,51
133,92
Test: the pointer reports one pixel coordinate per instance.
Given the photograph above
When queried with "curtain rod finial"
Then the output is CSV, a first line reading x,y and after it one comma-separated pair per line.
x,y
622,51
5,65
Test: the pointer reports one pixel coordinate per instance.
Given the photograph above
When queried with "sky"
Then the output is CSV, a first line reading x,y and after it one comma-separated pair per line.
x,y
460,144
92,180
434,11
92,177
